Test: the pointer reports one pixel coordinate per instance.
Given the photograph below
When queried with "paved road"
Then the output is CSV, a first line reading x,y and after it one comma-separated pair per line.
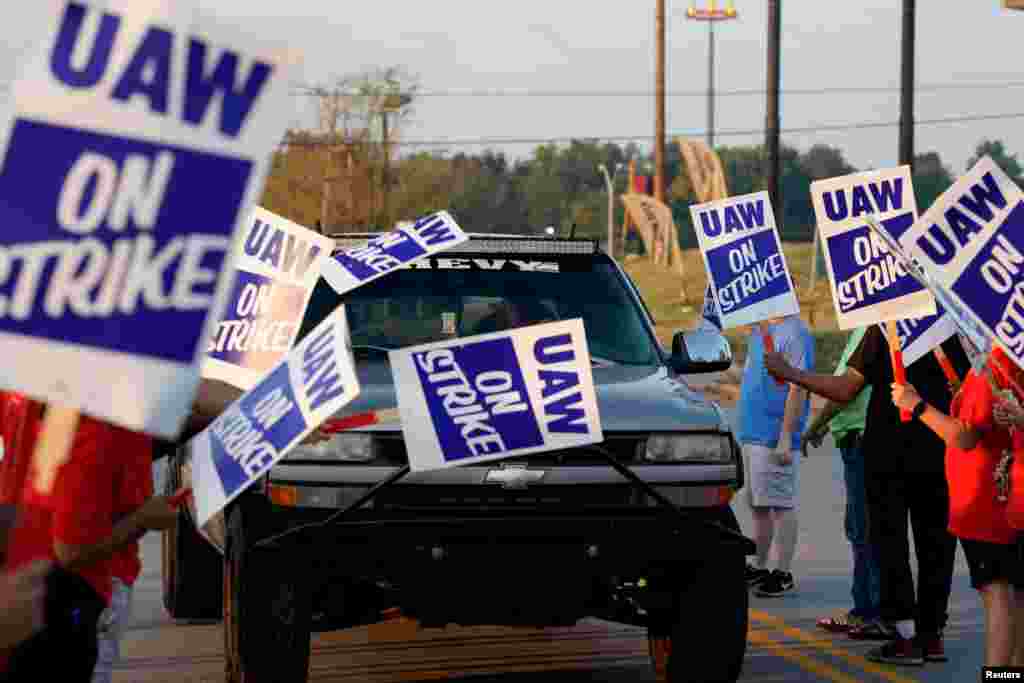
x,y
784,644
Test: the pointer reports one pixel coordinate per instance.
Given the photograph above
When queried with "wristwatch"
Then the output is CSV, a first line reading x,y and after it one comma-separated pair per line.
x,y
919,409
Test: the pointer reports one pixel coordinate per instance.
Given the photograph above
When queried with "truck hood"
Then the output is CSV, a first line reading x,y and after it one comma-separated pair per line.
x,y
629,399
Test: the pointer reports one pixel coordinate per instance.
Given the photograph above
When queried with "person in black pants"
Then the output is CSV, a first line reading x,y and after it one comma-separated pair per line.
x,y
904,478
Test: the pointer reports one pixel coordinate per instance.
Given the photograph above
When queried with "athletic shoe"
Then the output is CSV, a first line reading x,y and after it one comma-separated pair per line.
x,y
777,584
932,647
873,630
903,651
755,575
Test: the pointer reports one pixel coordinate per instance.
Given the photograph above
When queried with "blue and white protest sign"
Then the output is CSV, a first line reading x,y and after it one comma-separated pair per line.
x,y
138,138
971,243
315,380
496,395
744,260
277,264
869,284
709,314
354,267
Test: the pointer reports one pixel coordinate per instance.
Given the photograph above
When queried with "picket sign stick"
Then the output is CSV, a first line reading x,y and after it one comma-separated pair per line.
x,y
769,347
53,449
896,354
360,420
179,498
947,368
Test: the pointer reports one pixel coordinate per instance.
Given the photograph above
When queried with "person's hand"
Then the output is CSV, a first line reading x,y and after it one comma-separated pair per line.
x,y
783,454
316,436
157,513
1008,414
813,437
777,366
22,595
904,396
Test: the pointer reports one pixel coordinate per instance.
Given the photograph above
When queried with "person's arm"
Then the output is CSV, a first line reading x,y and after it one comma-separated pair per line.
x,y
22,595
820,423
156,514
951,430
794,404
839,388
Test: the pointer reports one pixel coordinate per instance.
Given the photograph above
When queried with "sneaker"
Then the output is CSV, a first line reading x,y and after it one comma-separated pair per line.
x,y
873,630
755,575
932,647
777,584
841,623
904,651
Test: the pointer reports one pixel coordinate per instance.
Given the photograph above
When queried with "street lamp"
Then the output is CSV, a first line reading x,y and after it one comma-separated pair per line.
x,y
609,182
711,15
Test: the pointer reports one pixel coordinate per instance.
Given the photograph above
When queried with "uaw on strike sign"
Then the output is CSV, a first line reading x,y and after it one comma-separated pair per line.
x,y
277,264
869,284
744,259
314,381
495,396
138,139
355,267
971,243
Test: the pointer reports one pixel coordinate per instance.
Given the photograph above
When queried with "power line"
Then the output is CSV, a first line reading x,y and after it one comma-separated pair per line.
x,y
743,92
456,142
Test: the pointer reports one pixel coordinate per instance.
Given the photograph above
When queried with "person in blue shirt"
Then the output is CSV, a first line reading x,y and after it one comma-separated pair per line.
x,y
772,419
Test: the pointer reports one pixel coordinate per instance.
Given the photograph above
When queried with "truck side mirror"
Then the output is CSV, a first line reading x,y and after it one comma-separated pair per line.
x,y
700,351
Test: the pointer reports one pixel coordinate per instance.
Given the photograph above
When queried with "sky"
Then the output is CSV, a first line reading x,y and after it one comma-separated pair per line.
x,y
571,46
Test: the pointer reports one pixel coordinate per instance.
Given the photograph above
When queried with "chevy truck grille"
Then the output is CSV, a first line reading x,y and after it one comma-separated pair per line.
x,y
494,498
392,449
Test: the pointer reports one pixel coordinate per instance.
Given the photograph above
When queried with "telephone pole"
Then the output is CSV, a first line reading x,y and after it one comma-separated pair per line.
x,y
772,108
659,103
907,86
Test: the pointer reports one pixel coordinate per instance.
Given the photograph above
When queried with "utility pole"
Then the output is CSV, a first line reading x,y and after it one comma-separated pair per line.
x,y
712,15
659,103
772,108
907,86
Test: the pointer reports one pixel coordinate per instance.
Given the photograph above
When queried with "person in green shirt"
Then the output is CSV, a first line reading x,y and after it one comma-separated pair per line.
x,y
846,424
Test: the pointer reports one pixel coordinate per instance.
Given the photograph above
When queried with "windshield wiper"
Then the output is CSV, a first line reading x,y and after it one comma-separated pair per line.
x,y
598,362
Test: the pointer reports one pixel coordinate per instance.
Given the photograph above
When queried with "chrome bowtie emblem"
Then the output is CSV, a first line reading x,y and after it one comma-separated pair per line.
x,y
514,476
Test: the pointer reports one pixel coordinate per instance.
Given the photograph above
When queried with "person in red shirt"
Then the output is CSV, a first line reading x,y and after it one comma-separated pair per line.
x,y
975,445
133,486
72,526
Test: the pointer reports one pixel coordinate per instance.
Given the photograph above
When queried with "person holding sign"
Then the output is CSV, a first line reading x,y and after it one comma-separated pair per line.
x,y
71,526
846,422
904,475
975,445
772,419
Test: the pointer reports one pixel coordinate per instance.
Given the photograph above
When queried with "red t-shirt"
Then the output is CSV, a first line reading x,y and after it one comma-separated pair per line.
x,y
133,486
974,512
1015,506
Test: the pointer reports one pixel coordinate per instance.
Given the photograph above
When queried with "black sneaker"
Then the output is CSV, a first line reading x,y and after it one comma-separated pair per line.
x,y
755,575
777,583
905,651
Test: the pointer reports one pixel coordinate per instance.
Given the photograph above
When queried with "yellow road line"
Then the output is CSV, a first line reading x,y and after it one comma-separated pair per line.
x,y
825,646
819,669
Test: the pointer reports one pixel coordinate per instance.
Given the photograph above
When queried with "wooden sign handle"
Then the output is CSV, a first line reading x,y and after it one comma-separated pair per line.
x,y
899,372
947,369
769,347
53,448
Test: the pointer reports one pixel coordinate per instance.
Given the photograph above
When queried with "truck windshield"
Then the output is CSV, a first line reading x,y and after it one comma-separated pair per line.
x,y
438,301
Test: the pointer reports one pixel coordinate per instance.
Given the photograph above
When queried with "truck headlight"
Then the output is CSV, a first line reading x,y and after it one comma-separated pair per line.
x,y
687,448
340,447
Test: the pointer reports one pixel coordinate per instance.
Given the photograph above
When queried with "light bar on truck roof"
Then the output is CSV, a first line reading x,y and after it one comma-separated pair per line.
x,y
490,244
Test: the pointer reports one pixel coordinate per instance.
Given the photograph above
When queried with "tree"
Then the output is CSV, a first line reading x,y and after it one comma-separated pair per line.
x,y
1006,161
822,161
931,179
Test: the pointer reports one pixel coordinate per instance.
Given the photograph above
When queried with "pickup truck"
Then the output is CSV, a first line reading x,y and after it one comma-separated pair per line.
x,y
638,530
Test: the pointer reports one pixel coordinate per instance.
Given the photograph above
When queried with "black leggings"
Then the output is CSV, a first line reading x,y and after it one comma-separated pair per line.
x,y
66,649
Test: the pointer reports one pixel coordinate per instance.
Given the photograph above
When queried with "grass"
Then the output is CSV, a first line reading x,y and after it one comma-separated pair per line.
x,y
675,302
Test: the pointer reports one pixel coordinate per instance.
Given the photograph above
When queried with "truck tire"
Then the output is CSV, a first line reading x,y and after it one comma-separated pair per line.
x,y
267,603
707,638
190,567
